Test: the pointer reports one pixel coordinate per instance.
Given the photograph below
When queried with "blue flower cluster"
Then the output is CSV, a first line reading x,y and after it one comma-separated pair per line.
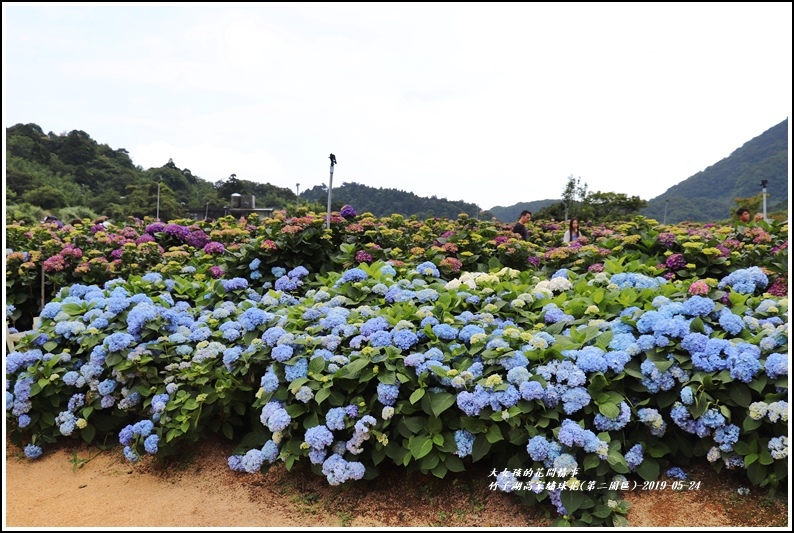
x,y
745,281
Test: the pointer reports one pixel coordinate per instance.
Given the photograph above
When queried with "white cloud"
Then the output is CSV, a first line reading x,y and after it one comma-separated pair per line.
x,y
487,103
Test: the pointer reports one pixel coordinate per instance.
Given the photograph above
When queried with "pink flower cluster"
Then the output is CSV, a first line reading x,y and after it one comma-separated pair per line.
x,y
699,287
452,263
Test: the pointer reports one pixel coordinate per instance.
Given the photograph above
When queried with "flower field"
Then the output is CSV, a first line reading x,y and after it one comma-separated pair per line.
x,y
572,370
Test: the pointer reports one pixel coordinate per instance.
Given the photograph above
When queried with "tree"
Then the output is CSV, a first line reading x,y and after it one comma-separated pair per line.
x,y
78,148
753,204
573,193
46,197
609,206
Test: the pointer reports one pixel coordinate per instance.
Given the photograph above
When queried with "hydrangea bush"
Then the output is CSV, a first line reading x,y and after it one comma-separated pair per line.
x,y
568,382
42,259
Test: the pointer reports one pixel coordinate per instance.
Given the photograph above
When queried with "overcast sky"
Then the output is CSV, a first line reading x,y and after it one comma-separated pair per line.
x,y
492,104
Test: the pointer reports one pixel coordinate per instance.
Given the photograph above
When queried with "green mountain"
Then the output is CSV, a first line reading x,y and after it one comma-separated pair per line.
x,y
709,194
384,202
72,175
510,214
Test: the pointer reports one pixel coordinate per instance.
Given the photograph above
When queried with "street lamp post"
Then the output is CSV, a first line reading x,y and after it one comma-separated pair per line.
x,y
763,192
297,197
160,178
665,211
332,157
207,210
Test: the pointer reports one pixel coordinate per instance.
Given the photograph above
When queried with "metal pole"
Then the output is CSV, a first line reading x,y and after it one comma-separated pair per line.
x,y
207,210
764,193
665,211
297,197
158,197
330,186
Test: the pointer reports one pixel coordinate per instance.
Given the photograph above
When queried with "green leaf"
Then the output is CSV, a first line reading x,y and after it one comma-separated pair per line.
x,y
440,470
658,449
696,325
597,383
322,394
619,521
480,447
316,365
648,469
353,368
416,395
420,445
89,432
598,297
472,425
749,425
618,462
765,458
742,448
756,473
572,500
494,434
758,383
609,410
415,424
591,461
441,401
453,463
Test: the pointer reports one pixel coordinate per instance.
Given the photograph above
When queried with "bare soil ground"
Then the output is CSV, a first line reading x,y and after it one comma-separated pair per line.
x,y
76,486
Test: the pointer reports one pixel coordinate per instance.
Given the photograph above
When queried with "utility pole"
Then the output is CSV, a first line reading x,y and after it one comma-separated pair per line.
x,y
159,182
665,211
763,192
332,157
297,198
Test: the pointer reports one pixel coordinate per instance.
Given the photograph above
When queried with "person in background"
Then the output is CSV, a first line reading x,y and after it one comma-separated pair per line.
x,y
520,227
572,234
743,214
51,219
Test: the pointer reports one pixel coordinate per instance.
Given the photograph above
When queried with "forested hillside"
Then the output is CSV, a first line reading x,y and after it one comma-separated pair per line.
x,y
712,194
383,202
71,175
709,194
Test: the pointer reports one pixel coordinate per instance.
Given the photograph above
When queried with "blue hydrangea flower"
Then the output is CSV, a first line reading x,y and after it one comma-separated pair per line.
x,y
428,269
676,473
776,365
464,440
150,444
318,437
32,451
387,394
634,457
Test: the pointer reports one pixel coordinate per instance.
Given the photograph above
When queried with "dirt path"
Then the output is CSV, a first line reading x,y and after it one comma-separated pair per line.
x,y
201,491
